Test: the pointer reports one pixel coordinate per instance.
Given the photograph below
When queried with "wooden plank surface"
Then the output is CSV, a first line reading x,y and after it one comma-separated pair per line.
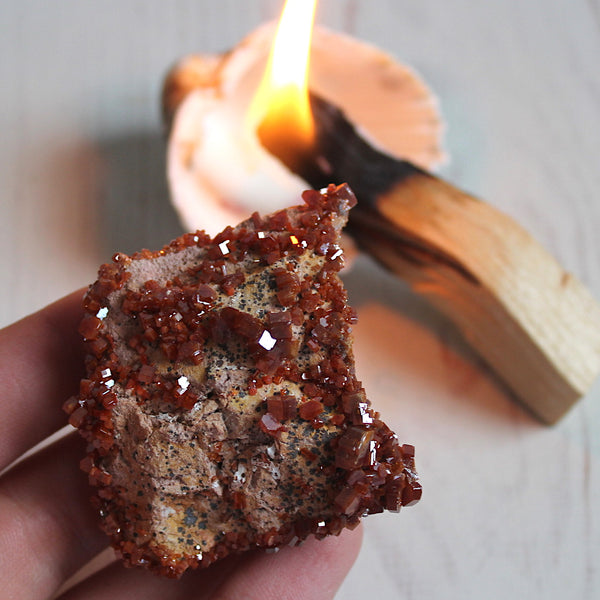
x,y
509,506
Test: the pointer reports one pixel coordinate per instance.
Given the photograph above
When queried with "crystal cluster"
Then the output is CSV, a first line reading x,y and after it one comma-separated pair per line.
x,y
221,407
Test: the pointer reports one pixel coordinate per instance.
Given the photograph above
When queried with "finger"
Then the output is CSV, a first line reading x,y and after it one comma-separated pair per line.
x,y
313,571
40,366
116,582
48,529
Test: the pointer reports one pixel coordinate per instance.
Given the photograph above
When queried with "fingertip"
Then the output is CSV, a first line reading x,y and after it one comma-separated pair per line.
x,y
313,571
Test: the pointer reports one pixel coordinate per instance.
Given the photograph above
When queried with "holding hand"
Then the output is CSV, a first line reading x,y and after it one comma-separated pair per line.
x,y
47,527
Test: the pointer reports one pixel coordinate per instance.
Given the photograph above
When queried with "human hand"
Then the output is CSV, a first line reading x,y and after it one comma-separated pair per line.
x,y
47,527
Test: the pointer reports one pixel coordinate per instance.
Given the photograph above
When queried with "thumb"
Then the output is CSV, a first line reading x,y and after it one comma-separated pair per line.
x,y
313,571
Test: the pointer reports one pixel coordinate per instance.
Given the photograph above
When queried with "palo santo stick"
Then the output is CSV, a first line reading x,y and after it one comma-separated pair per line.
x,y
533,323
536,325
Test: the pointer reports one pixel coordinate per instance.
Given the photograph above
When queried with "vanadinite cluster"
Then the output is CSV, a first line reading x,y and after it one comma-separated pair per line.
x,y
221,407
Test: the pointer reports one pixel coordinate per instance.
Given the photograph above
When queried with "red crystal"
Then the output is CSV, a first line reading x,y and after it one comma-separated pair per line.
x,y
280,325
270,425
89,327
231,282
408,451
353,447
288,287
348,500
337,419
282,407
411,493
310,410
242,323
77,417
70,405
146,374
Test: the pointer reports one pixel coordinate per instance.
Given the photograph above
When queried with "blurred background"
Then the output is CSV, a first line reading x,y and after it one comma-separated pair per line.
x,y
509,506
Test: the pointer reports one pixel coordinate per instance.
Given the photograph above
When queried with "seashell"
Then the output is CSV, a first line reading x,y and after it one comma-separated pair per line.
x,y
217,170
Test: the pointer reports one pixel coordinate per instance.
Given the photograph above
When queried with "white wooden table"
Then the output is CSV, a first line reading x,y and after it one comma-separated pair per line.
x,y
510,507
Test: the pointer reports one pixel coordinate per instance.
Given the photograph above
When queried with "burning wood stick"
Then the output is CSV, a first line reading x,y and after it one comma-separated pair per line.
x,y
535,324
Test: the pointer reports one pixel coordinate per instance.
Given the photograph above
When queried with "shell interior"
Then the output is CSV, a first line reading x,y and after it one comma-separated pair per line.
x,y
217,170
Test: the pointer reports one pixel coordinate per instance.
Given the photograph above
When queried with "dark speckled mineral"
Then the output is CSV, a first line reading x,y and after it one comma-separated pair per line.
x,y
221,407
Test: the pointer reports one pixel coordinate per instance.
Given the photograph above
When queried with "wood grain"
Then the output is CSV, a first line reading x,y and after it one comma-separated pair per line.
x,y
509,506
535,324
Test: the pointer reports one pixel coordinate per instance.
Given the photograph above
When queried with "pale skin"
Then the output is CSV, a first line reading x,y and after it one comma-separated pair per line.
x,y
47,527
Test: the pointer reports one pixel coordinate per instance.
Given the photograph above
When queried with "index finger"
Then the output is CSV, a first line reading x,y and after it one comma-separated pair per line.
x,y
311,571
41,363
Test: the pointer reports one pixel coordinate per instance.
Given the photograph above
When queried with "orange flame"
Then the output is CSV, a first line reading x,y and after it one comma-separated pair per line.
x,y
282,102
